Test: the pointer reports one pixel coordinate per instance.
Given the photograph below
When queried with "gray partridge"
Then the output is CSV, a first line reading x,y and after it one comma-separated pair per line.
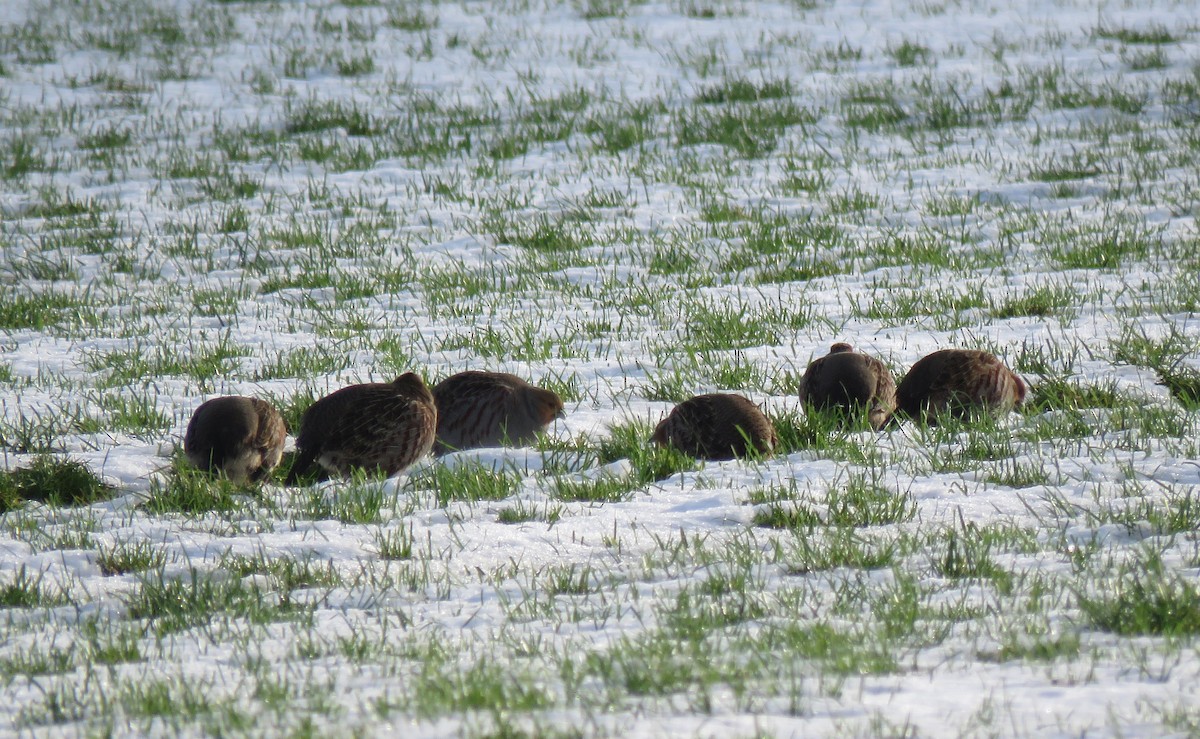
x,y
717,426
239,437
958,382
378,426
847,381
480,409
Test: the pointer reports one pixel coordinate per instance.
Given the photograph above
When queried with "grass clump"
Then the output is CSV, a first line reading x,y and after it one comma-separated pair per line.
x,y
965,554
126,557
750,131
863,500
54,481
1034,643
1184,384
24,590
1165,356
860,500
1058,394
170,605
444,688
741,90
825,432
469,483
1145,599
394,542
788,516
650,462
185,489
601,489
523,511
842,651
837,546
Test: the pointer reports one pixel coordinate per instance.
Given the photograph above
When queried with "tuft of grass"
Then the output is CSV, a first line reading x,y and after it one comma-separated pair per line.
x,y
650,462
170,605
443,686
125,557
138,415
1145,599
825,432
1015,474
863,500
1101,245
795,516
860,500
395,542
751,131
1057,393
20,155
615,129
469,483
21,310
314,116
909,53
289,573
1041,301
24,590
601,489
54,481
1034,643
742,90
410,18
835,547
839,649
873,109
523,511
1165,356
1154,33
185,489
37,660
963,554
1184,385
362,501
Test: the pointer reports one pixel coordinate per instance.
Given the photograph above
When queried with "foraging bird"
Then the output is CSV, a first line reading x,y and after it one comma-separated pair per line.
x,y
478,409
384,426
847,381
238,436
717,426
958,382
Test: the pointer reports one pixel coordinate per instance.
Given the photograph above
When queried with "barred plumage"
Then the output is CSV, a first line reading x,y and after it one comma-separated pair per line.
x,y
958,382
717,426
384,426
848,381
239,437
480,409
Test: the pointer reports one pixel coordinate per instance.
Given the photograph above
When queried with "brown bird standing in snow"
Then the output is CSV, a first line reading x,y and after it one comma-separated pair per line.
x,y
958,382
847,381
717,426
479,409
238,436
383,426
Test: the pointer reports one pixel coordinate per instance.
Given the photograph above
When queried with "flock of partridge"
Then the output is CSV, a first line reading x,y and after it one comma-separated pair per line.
x,y
388,426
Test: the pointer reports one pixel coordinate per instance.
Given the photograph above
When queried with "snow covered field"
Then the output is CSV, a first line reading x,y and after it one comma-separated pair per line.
x,y
630,203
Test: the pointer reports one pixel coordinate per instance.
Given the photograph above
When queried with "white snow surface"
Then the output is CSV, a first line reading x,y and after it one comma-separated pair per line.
x,y
475,572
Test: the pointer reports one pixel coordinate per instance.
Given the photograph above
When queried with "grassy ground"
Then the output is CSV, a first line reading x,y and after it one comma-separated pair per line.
x,y
630,203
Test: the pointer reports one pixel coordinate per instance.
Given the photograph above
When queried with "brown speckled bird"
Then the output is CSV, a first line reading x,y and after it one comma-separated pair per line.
x,y
478,409
717,426
847,381
958,382
240,437
383,426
